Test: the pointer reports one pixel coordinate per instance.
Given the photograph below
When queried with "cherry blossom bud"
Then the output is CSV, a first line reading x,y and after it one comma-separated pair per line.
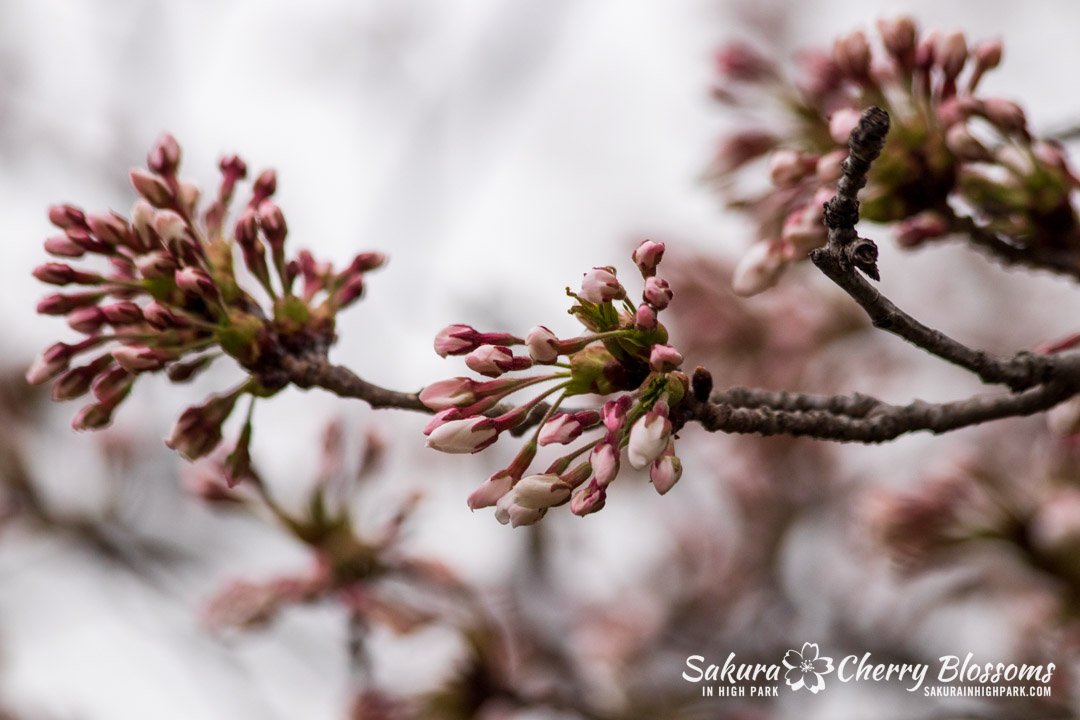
x,y
664,358
740,148
61,274
164,156
189,197
63,246
53,361
926,50
195,281
614,412
666,470
951,55
647,256
59,304
198,429
75,382
758,270
509,512
564,428
927,225
898,36
645,317
830,166
273,224
657,292
112,386
86,320
350,292
852,55
491,491
142,218
110,228
604,460
139,358
964,145
469,435
1005,114
455,340
494,360
67,216
648,437
265,185
170,227
156,265
841,123
588,499
543,345
739,62
93,417
151,187
539,492
444,394
988,54
600,285
787,168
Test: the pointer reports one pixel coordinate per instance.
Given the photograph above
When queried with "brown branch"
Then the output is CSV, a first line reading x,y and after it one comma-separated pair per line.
x,y
317,371
856,405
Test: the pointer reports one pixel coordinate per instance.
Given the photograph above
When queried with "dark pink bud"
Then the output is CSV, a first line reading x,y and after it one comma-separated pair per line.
x,y
164,156
234,167
247,228
67,216
988,55
366,261
1005,114
93,417
122,313
160,317
614,412
198,430
350,292
110,228
273,223
182,372
86,320
61,274
75,382
852,55
59,304
113,385
657,292
898,36
588,499
63,246
951,54
151,187
265,185
195,281
740,148
52,361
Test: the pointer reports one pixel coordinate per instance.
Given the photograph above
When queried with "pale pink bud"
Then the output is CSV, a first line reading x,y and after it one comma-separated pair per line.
x,y
66,216
151,187
964,145
664,358
509,512
740,148
600,285
645,317
758,270
604,460
539,492
787,168
494,360
86,320
142,218
444,394
614,412
952,54
898,37
170,227
63,246
52,361
138,358
561,429
455,340
852,55
1005,114
665,472
468,435
648,438
831,166
657,292
122,313
195,281
841,123
739,62
647,256
164,156
442,417
189,197
927,225
491,491
543,345
110,228
588,499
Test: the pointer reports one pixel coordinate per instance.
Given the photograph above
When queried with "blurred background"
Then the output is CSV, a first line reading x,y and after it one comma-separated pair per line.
x,y
495,150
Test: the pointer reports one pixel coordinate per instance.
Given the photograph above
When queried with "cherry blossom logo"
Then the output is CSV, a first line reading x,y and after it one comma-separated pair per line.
x,y
807,668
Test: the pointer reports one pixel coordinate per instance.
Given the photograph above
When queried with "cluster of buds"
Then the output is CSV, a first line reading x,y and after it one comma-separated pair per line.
x,y
948,147
623,355
166,295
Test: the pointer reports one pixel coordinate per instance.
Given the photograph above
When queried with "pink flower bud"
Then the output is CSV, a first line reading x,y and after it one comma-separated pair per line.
x,y
113,385
491,491
647,256
273,223
951,55
60,304
494,360
657,292
110,228
1006,115
122,313
588,499
926,50
61,274
852,55
138,358
198,429
988,55
665,472
455,340
739,62
170,227
648,438
560,429
445,394
93,417
75,382
266,184
179,372
604,460
366,262
964,145
841,123
600,285
539,492
898,37
86,320
507,511
195,281
645,317
151,187
543,345
614,412
740,148
164,156
156,265
758,270
468,435
787,168
189,197
53,361
831,166
67,216
234,167
927,225
63,246
664,358
142,218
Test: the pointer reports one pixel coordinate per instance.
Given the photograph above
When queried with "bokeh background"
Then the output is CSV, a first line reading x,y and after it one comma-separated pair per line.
x,y
494,149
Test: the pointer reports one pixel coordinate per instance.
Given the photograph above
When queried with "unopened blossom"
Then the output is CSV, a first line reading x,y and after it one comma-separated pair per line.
x,y
174,296
665,470
758,269
624,357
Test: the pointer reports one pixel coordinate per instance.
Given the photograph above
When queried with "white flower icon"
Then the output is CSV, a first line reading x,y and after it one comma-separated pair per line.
x,y
807,668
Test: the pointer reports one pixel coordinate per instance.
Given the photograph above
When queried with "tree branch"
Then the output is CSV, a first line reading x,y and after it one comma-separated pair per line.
x,y
317,371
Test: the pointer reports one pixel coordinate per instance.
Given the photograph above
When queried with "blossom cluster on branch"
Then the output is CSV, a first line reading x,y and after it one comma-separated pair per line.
x,y
956,161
